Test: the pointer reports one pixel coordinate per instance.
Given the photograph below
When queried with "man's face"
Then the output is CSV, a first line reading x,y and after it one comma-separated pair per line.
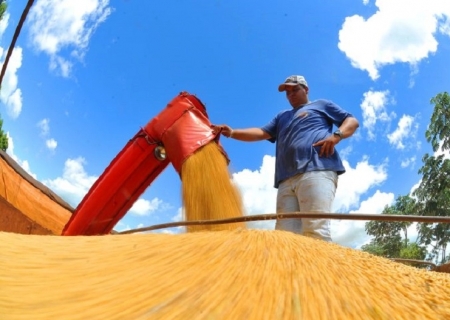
x,y
297,95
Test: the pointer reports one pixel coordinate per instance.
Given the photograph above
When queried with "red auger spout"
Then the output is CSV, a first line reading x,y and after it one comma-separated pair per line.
x,y
170,137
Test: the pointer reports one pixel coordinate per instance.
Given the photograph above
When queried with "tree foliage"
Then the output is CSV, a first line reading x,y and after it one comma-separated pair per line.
x,y
3,6
433,193
3,137
374,248
431,198
413,251
390,239
439,128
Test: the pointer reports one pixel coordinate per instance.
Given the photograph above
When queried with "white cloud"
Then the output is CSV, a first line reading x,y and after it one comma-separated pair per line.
x,y
122,226
258,193
14,104
176,218
409,162
413,232
144,207
351,233
406,129
365,2
351,187
74,183
4,23
400,31
11,95
44,125
64,66
374,109
23,163
65,24
414,71
347,151
51,144
179,216
257,187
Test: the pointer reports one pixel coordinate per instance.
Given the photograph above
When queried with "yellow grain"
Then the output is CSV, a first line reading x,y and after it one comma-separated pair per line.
x,y
226,272
244,274
208,192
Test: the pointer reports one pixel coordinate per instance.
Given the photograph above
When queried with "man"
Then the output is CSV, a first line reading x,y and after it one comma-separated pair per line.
x,y
307,164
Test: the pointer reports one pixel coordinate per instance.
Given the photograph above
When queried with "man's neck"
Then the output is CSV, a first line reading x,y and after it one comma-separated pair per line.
x,y
302,105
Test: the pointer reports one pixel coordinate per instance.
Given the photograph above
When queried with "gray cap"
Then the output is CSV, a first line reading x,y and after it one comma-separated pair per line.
x,y
292,81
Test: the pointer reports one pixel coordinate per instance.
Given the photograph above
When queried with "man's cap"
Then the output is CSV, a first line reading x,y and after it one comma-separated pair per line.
x,y
292,81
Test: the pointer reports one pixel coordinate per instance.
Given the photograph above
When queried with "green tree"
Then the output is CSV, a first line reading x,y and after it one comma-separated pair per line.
x,y
439,128
433,193
3,137
413,251
432,198
3,7
390,237
374,249
387,240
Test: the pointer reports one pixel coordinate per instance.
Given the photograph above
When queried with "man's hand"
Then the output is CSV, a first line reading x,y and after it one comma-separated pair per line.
x,y
248,134
327,145
223,129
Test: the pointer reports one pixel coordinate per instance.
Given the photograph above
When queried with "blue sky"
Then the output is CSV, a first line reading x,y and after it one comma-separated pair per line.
x,y
85,75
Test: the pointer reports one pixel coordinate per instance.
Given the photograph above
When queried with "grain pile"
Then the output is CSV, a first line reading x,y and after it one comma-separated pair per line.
x,y
207,190
244,274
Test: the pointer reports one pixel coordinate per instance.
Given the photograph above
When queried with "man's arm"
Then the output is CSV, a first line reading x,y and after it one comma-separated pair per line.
x,y
348,127
249,134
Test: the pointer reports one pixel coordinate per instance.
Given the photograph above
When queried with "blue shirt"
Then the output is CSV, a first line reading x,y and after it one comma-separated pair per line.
x,y
296,130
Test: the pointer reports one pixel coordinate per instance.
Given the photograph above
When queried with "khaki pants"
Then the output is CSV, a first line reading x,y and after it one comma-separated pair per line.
x,y
307,192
